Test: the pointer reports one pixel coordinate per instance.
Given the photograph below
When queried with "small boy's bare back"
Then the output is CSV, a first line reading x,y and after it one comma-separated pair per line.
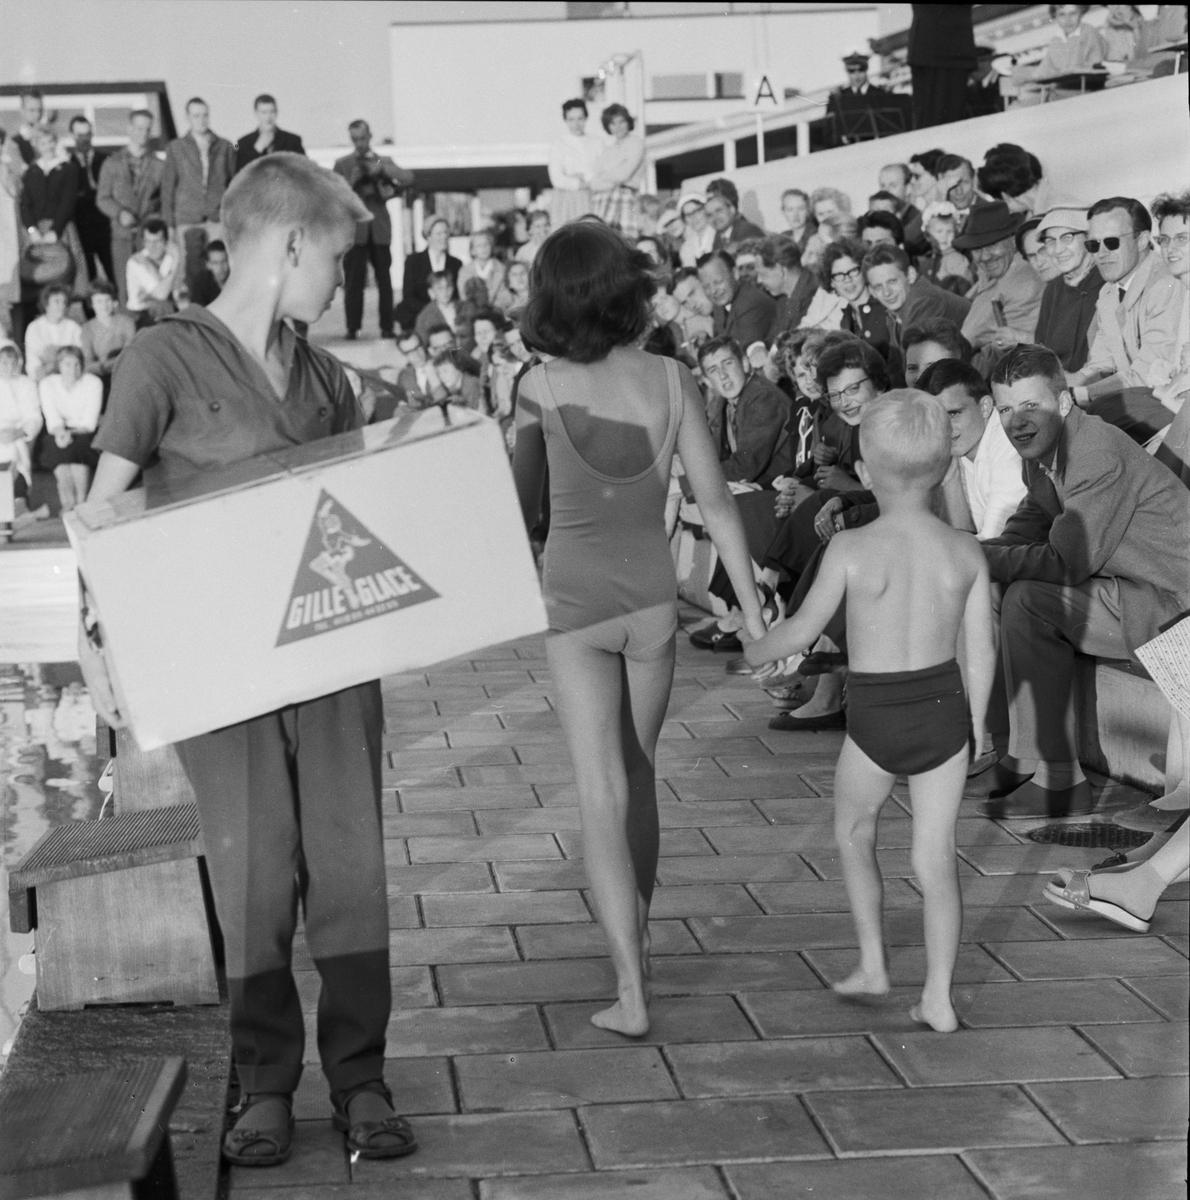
x,y
908,577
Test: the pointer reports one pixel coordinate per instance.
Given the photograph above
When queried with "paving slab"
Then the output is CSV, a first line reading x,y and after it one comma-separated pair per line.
x,y
1143,1049
504,908
733,868
479,944
419,1085
826,896
412,987
774,1068
478,1029
1169,994
673,1019
482,1144
319,1157
694,1183
700,1131
559,875
1107,958
703,900
1120,1110
583,941
1050,1002
418,1189
674,842
527,982
1147,1172
930,1059
429,799
706,974
817,1013
907,965
857,1179
946,1119
894,864
427,878
428,824
482,849
754,788
402,912
562,1078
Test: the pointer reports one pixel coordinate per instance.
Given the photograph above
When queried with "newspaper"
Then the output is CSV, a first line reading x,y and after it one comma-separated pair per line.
x,y
1167,660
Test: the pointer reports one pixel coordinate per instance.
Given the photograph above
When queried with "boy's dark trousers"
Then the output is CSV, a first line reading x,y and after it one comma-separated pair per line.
x,y
289,805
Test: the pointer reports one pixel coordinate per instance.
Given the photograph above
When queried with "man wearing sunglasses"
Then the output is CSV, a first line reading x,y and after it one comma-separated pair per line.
x,y
1138,311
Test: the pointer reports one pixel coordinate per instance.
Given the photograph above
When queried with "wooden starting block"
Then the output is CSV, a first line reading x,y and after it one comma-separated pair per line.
x,y
118,910
99,1136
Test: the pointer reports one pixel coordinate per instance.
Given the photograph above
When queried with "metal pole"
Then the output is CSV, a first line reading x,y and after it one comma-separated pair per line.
x,y
759,137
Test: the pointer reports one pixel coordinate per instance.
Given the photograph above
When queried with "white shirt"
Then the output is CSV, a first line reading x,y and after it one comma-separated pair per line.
x,y
994,481
572,161
21,413
144,276
76,408
42,337
449,314
696,245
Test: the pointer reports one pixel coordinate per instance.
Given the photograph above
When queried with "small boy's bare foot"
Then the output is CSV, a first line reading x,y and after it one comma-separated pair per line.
x,y
629,1016
861,984
940,1018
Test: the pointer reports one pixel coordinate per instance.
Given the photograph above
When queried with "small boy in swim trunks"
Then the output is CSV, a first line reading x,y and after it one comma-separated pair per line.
x,y
912,585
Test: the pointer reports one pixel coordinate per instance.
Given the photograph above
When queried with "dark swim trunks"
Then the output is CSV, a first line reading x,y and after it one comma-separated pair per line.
x,y
908,722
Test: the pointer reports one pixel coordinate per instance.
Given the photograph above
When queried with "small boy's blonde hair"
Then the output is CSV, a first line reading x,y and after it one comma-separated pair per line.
x,y
906,434
286,190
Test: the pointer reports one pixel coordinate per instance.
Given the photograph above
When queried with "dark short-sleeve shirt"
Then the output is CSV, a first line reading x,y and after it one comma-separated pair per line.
x,y
187,396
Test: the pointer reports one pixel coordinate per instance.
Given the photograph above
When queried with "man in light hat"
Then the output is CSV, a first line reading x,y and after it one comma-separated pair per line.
x,y
1068,302
848,105
1006,298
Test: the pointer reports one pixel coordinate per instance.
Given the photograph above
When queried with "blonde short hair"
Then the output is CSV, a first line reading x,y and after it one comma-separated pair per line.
x,y
905,434
285,190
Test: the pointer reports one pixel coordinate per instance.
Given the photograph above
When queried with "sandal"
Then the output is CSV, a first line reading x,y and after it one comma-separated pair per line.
x,y
1075,893
278,1141
368,1138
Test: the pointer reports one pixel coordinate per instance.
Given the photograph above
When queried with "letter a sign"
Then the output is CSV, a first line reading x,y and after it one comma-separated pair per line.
x,y
766,95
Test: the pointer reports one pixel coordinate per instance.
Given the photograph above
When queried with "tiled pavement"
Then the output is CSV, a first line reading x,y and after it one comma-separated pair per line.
x,y
1068,1077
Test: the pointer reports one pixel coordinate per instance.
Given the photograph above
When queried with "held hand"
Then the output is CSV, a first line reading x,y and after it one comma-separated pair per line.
x,y
760,674
126,218
98,681
62,439
824,454
824,523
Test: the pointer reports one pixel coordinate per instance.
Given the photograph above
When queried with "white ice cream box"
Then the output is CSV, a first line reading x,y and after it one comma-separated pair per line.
x,y
295,574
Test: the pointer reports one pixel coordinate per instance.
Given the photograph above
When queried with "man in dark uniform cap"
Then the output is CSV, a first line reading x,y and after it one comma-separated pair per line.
x,y
849,105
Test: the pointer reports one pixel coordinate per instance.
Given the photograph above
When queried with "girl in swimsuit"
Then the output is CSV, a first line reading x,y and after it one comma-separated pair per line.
x,y
607,419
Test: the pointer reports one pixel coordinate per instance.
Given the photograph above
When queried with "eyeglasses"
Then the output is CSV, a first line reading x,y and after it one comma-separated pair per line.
x,y
845,276
1063,239
850,392
1108,243
1181,240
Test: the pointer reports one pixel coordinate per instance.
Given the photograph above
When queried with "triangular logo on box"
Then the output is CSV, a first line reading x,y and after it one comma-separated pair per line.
x,y
346,575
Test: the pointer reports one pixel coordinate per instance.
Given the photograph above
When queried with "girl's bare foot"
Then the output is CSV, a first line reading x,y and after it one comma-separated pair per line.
x,y
940,1017
646,962
629,1015
862,983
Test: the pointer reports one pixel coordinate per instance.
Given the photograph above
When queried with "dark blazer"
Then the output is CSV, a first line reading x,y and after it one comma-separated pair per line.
x,y
1114,512
749,318
51,197
792,308
942,36
246,151
740,230
1065,318
85,213
368,188
761,424
415,290
927,300
120,190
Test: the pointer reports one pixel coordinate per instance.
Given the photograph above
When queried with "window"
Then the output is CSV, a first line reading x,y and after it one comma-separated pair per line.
x,y
729,86
679,87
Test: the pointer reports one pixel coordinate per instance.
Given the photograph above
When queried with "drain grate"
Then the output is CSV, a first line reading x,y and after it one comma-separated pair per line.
x,y
1096,835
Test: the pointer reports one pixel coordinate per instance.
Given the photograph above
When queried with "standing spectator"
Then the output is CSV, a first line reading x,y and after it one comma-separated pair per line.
x,y
723,212
267,137
1068,302
484,265
106,334
152,274
50,331
49,194
847,106
572,163
130,193
910,297
700,234
539,230
71,401
198,168
95,230
618,175
1006,298
795,208
941,58
375,180
742,312
32,119
419,266
1139,311
216,268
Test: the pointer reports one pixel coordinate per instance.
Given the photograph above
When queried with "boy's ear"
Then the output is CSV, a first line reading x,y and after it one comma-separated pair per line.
x,y
865,478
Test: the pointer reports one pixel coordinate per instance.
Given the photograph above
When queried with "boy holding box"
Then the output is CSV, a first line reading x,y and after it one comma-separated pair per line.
x,y
911,584
289,802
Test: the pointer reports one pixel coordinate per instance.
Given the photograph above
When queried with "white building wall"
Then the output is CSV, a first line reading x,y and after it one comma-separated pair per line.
x,y
504,81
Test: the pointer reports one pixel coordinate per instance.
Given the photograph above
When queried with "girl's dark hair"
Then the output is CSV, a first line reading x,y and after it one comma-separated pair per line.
x,y
844,248
613,111
50,290
590,292
1008,170
856,354
1168,205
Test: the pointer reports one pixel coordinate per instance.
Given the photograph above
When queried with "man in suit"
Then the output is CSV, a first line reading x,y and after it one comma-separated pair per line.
x,y
941,58
847,106
742,311
375,180
95,230
419,266
1138,311
198,168
266,138
723,211
1094,560
129,193
910,297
